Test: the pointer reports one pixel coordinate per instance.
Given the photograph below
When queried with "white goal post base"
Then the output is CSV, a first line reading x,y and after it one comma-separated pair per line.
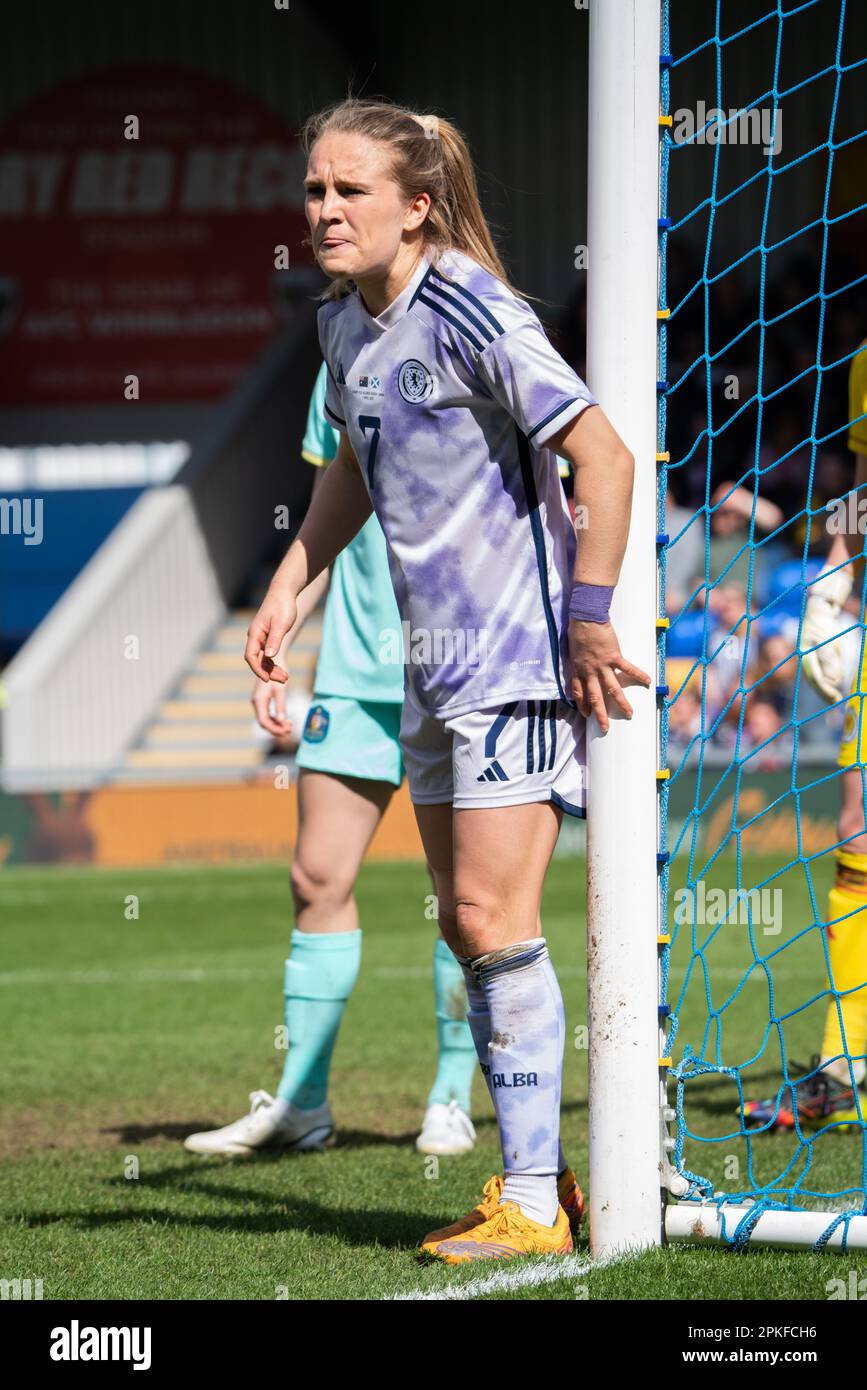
x,y
699,1223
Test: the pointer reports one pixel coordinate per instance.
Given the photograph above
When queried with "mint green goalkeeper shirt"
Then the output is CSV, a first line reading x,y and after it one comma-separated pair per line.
x,y
361,632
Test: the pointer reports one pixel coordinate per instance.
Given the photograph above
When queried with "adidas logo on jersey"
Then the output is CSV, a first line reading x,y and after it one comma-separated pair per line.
x,y
493,773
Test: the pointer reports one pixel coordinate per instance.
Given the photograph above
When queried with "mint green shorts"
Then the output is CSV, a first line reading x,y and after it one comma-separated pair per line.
x,y
352,738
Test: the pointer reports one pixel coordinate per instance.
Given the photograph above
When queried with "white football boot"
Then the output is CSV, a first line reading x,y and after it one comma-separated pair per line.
x,y
271,1124
447,1129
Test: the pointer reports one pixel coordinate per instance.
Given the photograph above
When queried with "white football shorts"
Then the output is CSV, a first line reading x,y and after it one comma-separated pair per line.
x,y
508,755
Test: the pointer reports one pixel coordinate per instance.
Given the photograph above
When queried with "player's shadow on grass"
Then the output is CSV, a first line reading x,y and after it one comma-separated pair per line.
x,y
179,1129
347,1137
277,1215
140,1134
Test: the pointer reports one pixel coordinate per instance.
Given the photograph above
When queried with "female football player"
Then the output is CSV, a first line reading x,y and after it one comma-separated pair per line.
x,y
452,406
350,763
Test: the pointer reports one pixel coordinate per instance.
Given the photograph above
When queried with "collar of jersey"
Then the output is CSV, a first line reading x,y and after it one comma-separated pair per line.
x,y
397,309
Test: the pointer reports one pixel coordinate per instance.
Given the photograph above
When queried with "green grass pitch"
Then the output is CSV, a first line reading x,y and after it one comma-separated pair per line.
x,y
125,1033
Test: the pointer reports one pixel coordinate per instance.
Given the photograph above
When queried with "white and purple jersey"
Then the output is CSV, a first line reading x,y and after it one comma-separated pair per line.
x,y
448,399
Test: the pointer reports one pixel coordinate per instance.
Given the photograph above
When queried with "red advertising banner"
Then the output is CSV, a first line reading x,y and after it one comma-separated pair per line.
x,y
139,214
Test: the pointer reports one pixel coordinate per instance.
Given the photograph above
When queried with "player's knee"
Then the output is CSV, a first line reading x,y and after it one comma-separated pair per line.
x,y
447,922
481,924
317,886
444,896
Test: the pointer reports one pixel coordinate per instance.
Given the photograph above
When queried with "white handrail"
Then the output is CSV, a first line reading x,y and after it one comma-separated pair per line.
x,y
80,690
88,678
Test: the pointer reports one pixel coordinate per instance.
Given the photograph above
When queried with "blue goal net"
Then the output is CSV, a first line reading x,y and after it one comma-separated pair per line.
x,y
762,514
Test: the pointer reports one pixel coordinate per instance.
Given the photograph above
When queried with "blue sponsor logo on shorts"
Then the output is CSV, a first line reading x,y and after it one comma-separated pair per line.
x,y
317,723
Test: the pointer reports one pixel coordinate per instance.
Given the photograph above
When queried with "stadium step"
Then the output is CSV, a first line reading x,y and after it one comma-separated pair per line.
x,y
206,727
232,660
232,637
215,686
197,734
207,711
183,758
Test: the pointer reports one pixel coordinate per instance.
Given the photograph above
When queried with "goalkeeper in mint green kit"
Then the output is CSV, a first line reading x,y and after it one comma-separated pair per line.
x,y
350,764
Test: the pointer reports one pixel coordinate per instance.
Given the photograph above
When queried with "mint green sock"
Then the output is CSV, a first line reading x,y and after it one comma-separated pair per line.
x,y
457,1053
320,973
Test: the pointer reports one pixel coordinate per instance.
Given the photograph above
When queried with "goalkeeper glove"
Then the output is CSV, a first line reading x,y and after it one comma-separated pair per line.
x,y
823,665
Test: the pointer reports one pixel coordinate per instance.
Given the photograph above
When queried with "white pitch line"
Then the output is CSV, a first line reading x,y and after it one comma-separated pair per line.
x,y
545,1271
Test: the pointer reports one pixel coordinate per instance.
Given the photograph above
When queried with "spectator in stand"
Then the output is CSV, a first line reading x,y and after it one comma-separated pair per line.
x,y
727,630
763,729
730,549
684,556
773,677
684,714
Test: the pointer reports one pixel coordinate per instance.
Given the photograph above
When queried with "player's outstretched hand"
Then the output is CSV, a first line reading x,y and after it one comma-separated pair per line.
x,y
600,669
266,633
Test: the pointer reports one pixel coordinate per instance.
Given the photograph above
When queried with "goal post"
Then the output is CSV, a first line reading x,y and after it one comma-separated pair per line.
x,y
622,877
643,1191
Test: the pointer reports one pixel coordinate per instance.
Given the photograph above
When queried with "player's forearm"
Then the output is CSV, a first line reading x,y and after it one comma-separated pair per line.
x,y
314,592
308,599
604,470
603,504
337,513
